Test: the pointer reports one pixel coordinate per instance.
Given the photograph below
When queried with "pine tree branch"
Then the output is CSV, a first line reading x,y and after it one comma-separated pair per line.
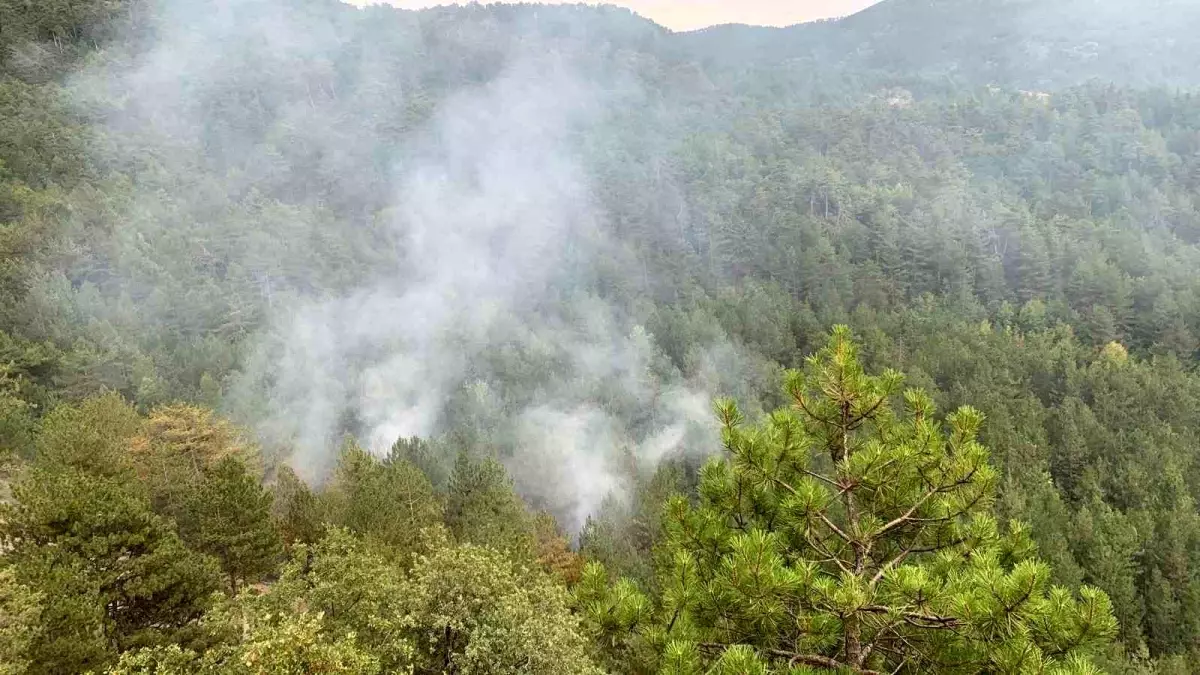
x,y
825,479
800,402
836,530
796,659
775,479
791,490
938,547
747,458
857,422
907,517
941,621
825,552
890,565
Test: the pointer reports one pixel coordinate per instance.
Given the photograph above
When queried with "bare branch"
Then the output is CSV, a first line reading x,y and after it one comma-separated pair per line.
x,y
890,565
836,530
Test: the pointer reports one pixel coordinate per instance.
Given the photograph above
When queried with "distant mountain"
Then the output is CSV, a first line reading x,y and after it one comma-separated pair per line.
x,y
1025,43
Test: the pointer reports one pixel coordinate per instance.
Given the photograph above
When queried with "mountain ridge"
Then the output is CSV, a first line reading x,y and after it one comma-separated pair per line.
x,y
1021,43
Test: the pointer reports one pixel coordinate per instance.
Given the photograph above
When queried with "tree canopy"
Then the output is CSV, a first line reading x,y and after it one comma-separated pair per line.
x,y
842,534
357,339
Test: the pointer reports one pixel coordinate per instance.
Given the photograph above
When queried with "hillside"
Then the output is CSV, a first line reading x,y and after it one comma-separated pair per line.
x,y
1020,43
540,339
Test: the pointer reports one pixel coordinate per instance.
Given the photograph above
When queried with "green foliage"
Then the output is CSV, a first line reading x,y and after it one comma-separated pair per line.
x,y
476,611
387,502
348,597
93,436
842,534
342,606
178,448
1029,253
16,424
623,536
112,574
275,645
297,510
431,457
228,516
483,509
20,611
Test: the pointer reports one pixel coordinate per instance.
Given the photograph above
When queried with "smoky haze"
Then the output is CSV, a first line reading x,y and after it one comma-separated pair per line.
x,y
482,232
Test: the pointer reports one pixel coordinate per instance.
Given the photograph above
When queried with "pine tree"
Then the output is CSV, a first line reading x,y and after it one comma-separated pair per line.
x,y
228,516
841,534
93,436
177,449
553,551
1034,269
20,612
483,508
389,503
428,456
297,510
112,574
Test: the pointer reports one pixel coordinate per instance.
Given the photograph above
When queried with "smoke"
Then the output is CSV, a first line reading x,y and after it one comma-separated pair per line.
x,y
496,220
467,300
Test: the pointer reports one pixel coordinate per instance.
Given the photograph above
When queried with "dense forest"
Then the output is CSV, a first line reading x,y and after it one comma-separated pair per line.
x,y
541,339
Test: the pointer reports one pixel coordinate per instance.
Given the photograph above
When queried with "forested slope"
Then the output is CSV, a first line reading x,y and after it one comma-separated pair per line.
x,y
364,340
1016,43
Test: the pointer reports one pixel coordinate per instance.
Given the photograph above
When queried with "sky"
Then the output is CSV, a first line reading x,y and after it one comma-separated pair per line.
x,y
693,14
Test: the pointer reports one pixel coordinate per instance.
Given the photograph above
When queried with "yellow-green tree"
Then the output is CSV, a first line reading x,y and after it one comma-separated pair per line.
x,y
344,605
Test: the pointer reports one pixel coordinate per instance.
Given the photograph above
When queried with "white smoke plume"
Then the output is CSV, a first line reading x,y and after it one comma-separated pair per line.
x,y
477,310
493,221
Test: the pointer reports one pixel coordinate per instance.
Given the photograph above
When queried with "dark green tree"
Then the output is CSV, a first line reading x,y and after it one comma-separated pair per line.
x,y
298,511
112,574
228,516
387,502
483,508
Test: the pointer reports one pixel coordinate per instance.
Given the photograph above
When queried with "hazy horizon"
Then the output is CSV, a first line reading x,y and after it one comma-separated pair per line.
x,y
684,15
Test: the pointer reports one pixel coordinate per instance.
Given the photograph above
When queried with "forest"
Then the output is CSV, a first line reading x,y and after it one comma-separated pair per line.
x,y
518,338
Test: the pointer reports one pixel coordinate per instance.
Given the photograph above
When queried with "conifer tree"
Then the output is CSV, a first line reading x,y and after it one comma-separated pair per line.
x,y
177,449
483,508
841,534
228,516
389,503
428,456
93,436
111,573
297,509
553,550
20,611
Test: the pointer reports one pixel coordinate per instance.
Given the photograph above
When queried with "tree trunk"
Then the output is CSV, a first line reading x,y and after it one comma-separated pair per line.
x,y
853,641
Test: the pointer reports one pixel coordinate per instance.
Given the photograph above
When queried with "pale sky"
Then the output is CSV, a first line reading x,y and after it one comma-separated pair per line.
x,y
692,14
